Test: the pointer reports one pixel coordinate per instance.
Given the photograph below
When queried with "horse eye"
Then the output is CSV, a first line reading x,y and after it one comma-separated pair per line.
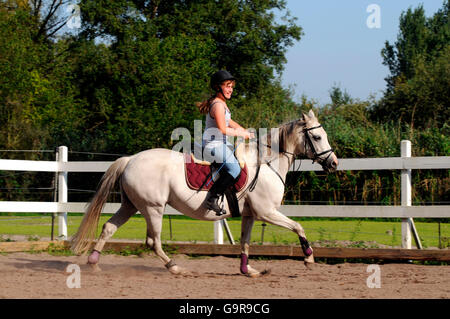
x,y
316,138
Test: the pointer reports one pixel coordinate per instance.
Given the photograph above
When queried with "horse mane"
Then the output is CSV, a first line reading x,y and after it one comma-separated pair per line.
x,y
285,132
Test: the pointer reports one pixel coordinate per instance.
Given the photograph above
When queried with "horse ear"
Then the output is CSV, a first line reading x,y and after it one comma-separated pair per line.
x,y
311,114
305,117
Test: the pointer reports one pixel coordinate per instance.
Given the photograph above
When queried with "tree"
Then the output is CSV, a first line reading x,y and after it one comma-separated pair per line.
x,y
136,69
418,36
423,100
248,41
417,87
37,105
339,97
45,17
142,65
36,101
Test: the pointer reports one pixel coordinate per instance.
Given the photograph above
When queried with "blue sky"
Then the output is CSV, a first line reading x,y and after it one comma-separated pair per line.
x,y
339,48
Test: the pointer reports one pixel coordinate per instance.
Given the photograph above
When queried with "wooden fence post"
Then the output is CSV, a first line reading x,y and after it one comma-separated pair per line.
x,y
62,193
218,232
405,151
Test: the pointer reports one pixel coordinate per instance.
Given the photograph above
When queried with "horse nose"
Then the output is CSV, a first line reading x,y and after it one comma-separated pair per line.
x,y
335,162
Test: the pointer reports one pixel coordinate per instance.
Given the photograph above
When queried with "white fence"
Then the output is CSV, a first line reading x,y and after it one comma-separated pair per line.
x,y
405,164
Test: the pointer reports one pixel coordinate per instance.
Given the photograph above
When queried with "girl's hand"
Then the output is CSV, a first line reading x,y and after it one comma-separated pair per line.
x,y
248,135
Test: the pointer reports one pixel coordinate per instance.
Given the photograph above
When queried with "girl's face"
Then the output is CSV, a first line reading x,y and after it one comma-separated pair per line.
x,y
227,89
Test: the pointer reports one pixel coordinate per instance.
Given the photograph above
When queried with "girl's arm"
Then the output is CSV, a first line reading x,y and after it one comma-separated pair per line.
x,y
218,113
235,125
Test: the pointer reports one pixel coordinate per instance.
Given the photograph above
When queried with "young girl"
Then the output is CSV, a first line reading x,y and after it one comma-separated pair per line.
x,y
219,125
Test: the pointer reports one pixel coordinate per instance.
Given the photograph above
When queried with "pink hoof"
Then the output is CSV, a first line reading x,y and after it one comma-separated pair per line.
x,y
94,257
244,263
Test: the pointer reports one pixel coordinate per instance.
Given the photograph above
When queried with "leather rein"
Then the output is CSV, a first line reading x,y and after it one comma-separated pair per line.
x,y
308,142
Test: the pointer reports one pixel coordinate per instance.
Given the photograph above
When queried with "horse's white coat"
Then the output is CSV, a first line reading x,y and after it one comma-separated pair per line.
x,y
156,177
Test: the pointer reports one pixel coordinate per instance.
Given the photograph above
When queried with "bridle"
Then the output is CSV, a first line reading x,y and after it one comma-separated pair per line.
x,y
308,142
313,149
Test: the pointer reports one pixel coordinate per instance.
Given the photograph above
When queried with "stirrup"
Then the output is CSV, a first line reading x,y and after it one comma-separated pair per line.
x,y
222,210
216,207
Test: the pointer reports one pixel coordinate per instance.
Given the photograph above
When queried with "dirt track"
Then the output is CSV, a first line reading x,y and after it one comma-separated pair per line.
x,y
25,275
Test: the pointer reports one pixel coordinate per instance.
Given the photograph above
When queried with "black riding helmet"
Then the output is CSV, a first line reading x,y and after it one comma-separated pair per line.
x,y
218,78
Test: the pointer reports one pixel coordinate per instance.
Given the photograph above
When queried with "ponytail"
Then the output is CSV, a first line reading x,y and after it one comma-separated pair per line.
x,y
205,105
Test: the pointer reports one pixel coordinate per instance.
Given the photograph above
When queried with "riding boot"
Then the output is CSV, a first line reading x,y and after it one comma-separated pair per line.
x,y
224,181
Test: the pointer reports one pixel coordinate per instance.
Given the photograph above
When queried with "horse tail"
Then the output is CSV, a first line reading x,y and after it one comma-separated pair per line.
x,y
86,233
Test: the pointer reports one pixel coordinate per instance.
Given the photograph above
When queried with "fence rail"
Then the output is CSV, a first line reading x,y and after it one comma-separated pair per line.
x,y
345,164
354,211
405,164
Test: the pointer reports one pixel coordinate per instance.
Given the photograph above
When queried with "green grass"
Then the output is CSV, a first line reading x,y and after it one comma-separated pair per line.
x,y
360,233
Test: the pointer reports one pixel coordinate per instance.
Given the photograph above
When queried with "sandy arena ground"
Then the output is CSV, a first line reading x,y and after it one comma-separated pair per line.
x,y
40,275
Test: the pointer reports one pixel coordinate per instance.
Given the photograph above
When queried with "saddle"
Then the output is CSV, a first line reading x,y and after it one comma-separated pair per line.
x,y
199,177
199,174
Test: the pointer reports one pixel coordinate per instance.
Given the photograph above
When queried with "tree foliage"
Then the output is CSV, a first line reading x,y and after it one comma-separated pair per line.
x,y
134,71
418,86
156,58
246,37
34,101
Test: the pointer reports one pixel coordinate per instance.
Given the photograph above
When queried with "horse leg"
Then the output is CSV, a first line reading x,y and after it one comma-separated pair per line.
x,y
124,213
154,218
276,218
149,239
149,242
246,230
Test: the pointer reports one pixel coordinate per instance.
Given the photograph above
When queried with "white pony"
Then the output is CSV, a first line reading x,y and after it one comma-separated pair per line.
x,y
154,178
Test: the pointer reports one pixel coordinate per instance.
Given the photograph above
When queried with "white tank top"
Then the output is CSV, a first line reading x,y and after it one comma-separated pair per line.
x,y
212,132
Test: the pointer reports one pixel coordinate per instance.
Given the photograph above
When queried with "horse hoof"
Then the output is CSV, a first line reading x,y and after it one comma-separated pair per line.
x,y
95,267
309,265
176,270
252,273
309,262
258,273
309,259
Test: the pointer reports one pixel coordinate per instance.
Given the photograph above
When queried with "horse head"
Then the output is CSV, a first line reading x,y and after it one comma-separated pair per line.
x,y
309,139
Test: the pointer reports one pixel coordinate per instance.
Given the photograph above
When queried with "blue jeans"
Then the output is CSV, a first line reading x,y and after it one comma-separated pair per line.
x,y
221,153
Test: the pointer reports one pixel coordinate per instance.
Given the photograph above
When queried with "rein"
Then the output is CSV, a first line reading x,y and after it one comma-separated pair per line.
x,y
308,142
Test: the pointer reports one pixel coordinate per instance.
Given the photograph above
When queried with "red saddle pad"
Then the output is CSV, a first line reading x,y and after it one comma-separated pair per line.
x,y
197,173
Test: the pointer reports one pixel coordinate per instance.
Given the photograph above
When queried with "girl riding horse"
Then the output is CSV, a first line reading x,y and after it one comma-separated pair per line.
x,y
219,125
